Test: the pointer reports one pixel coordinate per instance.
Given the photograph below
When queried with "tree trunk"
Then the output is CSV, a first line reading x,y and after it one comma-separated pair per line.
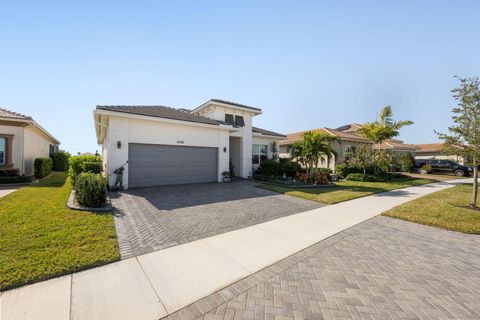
x,y
473,202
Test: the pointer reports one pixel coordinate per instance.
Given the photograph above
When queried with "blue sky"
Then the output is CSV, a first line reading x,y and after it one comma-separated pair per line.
x,y
307,64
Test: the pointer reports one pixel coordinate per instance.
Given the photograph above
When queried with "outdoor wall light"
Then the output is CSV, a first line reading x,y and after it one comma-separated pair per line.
x,y
224,149
119,144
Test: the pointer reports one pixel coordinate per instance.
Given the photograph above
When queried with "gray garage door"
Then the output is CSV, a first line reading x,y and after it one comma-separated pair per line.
x,y
156,165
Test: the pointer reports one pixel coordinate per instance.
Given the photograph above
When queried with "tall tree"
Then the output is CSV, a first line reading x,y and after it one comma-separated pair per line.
x,y
464,135
384,127
313,146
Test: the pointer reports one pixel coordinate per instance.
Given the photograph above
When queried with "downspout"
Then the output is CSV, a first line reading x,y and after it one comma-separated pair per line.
x,y
23,149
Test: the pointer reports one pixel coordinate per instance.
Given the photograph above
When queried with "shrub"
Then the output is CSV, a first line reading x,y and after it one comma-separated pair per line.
x,y
321,178
270,168
324,170
278,168
290,168
362,177
9,172
42,167
93,167
77,166
426,168
301,177
14,179
60,160
343,170
91,190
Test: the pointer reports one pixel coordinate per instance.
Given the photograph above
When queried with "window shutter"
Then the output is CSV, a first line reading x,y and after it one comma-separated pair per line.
x,y
229,119
239,121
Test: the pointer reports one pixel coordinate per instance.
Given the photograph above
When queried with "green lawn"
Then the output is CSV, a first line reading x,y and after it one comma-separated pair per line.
x,y
41,238
447,209
345,190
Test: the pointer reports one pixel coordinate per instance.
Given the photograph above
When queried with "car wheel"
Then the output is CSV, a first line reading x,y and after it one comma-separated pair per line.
x,y
459,173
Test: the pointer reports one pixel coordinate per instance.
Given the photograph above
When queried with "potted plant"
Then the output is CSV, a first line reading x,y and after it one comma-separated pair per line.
x,y
226,176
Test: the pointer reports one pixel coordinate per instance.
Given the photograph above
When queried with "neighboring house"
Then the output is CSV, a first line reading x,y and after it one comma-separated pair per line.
x,y
22,140
349,141
397,146
393,145
166,146
435,151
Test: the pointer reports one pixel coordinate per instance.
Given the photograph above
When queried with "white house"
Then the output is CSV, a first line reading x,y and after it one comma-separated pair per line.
x,y
163,146
22,140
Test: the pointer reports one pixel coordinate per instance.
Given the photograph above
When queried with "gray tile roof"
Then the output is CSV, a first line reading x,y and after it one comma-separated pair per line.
x,y
235,104
161,112
4,113
268,132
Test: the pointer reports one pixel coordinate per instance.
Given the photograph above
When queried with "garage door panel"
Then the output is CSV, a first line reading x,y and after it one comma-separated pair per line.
x,y
155,165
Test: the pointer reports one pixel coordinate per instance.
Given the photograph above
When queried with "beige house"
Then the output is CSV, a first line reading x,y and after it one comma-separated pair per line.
x,y
435,151
22,140
349,140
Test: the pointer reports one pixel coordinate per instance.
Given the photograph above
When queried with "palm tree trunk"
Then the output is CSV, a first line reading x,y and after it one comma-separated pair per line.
x,y
473,201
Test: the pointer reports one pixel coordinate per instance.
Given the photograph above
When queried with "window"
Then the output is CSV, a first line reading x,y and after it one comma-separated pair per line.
x,y
229,119
3,150
239,121
259,153
51,150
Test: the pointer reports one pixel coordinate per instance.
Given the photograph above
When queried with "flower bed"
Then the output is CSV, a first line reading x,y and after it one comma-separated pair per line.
x,y
277,180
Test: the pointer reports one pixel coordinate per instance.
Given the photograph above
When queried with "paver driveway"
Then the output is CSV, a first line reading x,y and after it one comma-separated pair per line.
x,y
149,219
380,269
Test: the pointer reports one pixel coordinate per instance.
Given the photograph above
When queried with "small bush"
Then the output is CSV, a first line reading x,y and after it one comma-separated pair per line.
x,y
91,190
324,170
270,168
301,177
77,166
408,162
9,172
42,167
343,170
362,177
321,178
60,161
15,179
426,169
289,167
93,167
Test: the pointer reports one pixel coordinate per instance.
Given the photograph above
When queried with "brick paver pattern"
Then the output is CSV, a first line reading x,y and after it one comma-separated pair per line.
x,y
381,269
149,219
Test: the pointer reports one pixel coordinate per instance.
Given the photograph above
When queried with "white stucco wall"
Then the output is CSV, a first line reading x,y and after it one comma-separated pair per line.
x,y
36,145
16,144
167,133
235,154
217,112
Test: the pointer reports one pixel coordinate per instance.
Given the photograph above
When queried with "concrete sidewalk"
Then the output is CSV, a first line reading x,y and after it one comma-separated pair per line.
x,y
156,284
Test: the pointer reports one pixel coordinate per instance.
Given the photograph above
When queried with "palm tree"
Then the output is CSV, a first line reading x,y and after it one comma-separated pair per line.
x,y
311,148
384,127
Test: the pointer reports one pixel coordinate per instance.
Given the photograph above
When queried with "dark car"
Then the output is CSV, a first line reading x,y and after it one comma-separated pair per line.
x,y
445,166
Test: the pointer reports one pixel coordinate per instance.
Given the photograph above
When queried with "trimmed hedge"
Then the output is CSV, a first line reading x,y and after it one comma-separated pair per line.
x,y
93,167
80,164
278,168
15,179
60,160
91,190
42,167
9,172
372,178
362,177
343,170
